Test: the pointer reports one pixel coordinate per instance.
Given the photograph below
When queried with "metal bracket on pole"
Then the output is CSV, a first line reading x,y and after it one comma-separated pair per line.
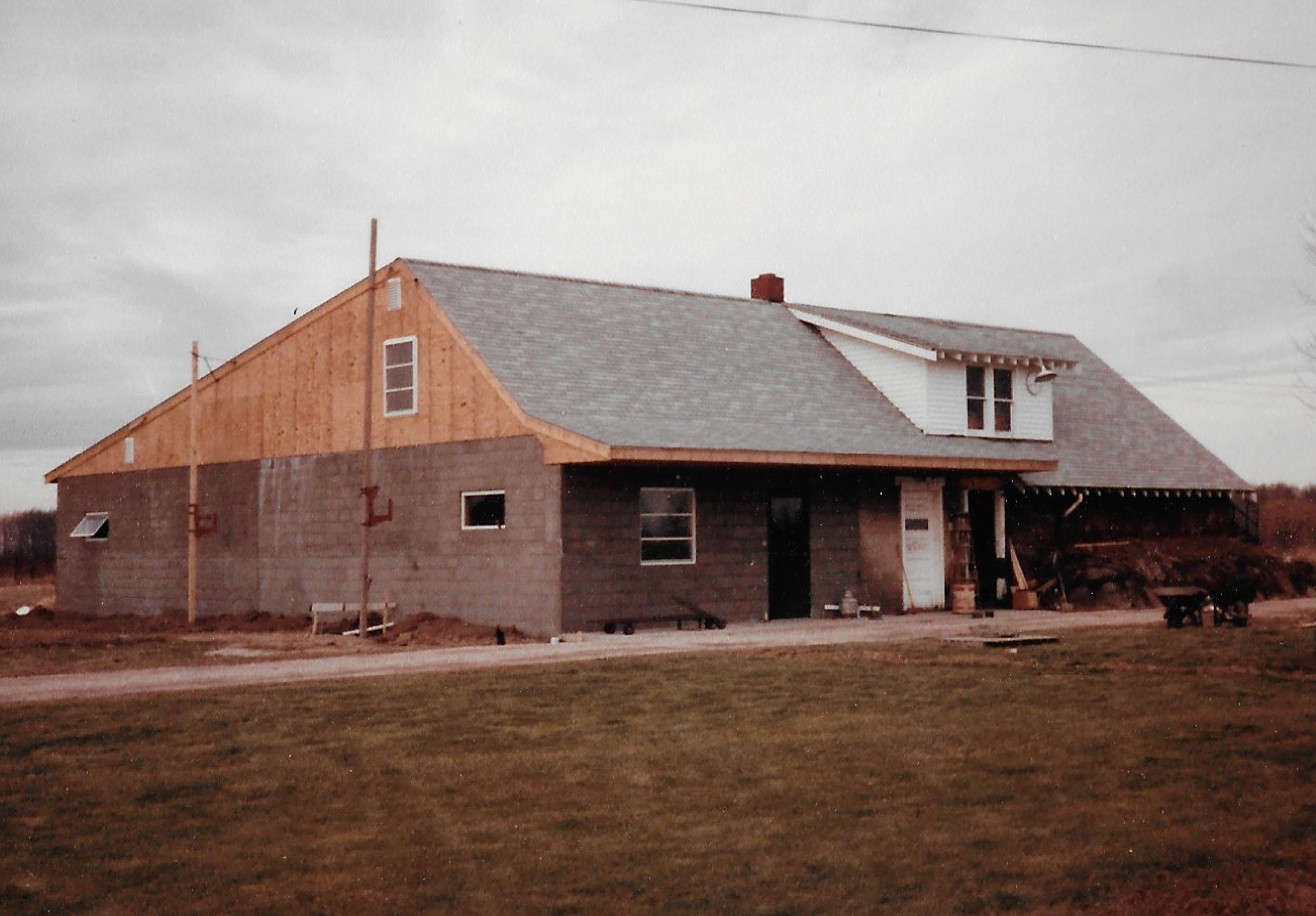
x,y
374,518
199,524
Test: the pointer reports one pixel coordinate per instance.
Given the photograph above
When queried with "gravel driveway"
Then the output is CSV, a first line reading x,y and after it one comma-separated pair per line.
x,y
577,648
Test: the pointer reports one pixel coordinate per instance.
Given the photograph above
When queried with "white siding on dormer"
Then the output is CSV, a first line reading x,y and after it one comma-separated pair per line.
x,y
933,395
903,378
948,402
1032,412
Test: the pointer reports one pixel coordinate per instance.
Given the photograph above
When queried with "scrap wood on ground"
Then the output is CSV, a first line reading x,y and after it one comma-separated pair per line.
x,y
1127,573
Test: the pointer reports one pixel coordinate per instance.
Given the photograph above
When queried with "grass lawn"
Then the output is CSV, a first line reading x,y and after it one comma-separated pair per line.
x,y
928,778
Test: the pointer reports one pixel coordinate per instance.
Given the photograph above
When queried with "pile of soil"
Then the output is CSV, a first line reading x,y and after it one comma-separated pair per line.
x,y
1125,574
429,630
41,624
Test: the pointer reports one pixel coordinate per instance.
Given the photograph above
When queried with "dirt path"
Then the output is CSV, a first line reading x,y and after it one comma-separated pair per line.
x,y
579,648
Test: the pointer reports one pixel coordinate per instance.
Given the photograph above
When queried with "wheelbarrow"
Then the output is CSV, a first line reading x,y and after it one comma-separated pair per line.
x,y
1230,602
1183,605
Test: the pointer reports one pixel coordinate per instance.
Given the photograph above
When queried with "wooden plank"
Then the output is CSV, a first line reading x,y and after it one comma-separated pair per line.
x,y
1020,580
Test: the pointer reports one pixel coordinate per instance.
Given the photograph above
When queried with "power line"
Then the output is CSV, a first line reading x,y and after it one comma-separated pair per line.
x,y
991,36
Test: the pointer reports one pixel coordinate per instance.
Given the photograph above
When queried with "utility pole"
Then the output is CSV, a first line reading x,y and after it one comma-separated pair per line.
x,y
193,518
197,524
368,488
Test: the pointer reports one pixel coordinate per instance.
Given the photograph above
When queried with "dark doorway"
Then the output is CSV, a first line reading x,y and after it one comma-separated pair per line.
x,y
982,531
788,558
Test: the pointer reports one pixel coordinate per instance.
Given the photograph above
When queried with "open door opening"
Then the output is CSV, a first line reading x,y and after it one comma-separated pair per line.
x,y
984,521
788,558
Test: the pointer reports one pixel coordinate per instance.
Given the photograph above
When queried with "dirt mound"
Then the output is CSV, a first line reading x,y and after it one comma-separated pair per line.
x,y
170,622
42,625
429,630
1124,574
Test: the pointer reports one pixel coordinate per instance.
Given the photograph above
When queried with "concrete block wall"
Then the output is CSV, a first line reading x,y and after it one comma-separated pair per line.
x,y
602,576
141,568
289,534
834,538
310,540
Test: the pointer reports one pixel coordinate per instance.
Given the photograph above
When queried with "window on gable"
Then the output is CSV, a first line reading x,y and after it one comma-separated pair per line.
x,y
95,526
399,376
484,509
667,526
1003,398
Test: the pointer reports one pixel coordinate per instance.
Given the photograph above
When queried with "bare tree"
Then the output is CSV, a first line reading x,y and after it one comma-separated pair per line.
x,y
27,543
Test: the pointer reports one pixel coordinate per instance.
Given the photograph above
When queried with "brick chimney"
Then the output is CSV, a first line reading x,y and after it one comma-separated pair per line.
x,y
768,287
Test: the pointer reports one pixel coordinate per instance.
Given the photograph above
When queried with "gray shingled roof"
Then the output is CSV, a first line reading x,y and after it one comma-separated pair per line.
x,y
953,336
1110,435
637,367
1107,433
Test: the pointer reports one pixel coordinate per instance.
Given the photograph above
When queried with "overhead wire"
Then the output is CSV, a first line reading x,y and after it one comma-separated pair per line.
x,y
990,36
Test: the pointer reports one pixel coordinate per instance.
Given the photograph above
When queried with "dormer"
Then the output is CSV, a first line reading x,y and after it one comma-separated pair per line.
x,y
950,378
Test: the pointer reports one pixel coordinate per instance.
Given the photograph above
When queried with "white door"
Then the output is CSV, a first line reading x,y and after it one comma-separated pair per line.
x,y
922,543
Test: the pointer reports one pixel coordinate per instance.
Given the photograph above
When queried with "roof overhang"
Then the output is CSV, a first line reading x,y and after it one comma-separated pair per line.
x,y
882,340
934,354
1144,492
650,454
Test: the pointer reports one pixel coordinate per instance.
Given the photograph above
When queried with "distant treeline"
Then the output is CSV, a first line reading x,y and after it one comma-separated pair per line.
x,y
27,544
1288,515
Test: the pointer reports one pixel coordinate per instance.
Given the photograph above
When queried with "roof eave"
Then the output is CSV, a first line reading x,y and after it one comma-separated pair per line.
x,y
654,454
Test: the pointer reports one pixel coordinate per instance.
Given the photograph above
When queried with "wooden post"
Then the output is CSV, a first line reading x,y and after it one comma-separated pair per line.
x,y
192,488
367,491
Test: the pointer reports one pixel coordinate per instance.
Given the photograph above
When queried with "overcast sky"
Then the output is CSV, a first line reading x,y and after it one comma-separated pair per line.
x,y
199,171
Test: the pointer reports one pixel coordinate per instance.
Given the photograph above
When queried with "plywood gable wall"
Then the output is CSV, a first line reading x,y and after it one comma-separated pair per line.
x,y
300,392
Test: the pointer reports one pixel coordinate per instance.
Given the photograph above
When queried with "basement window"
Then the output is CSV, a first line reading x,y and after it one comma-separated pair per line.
x,y
399,376
667,526
95,526
484,509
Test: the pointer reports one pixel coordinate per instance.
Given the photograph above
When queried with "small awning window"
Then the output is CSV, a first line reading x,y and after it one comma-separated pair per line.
x,y
94,525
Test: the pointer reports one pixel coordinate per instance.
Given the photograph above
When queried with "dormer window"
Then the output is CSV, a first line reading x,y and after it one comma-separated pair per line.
x,y
952,379
1003,396
999,404
976,384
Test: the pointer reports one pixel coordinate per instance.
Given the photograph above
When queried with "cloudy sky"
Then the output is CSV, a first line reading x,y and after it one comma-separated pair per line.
x,y
199,171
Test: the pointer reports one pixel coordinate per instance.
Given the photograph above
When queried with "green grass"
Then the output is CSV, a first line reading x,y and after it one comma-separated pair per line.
x,y
924,779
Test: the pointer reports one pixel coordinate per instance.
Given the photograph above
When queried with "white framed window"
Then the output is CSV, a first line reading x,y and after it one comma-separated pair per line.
x,y
667,526
129,450
1003,399
400,376
484,510
393,293
980,403
975,385
95,526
